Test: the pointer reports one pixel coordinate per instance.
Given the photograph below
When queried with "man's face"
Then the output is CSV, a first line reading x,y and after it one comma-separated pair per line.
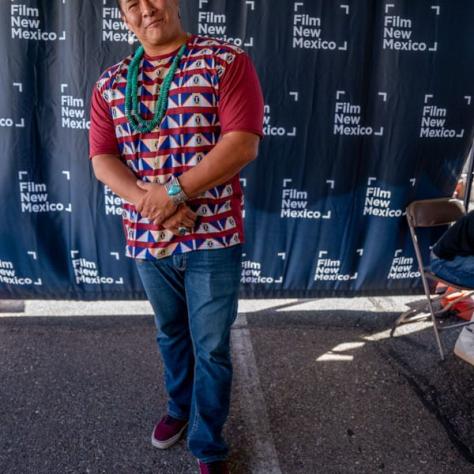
x,y
154,22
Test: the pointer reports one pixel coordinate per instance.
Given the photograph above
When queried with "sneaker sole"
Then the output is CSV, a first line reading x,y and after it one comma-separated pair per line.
x,y
169,442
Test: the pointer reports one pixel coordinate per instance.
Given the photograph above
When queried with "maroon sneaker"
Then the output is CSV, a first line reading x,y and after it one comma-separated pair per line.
x,y
167,432
217,467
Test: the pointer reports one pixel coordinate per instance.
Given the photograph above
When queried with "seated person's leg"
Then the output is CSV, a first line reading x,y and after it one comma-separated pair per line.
x,y
459,270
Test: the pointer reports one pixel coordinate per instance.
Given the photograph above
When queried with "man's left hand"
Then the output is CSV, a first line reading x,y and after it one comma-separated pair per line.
x,y
183,218
155,204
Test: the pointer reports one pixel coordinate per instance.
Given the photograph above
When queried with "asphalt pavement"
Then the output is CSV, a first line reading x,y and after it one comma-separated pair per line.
x,y
319,387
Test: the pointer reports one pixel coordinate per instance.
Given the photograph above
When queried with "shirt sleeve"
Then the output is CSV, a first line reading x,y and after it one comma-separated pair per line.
x,y
240,98
458,240
102,139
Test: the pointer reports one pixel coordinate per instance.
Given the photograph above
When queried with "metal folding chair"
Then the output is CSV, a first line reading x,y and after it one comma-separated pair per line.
x,y
431,213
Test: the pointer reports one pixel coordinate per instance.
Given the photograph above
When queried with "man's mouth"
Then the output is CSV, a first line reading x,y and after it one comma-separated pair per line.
x,y
155,23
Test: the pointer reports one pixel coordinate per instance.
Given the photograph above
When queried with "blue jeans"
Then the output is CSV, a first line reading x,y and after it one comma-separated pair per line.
x,y
459,270
194,296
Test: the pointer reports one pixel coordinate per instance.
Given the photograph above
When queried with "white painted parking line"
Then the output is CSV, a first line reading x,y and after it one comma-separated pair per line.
x,y
264,459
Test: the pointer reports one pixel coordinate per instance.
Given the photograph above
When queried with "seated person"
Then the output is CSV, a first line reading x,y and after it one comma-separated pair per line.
x,y
452,257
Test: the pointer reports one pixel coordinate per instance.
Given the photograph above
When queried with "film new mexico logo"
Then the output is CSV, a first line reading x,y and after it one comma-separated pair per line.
x,y
295,203
86,271
8,121
215,25
9,274
307,30
378,201
73,112
330,269
253,273
34,196
434,120
398,31
348,117
26,24
114,29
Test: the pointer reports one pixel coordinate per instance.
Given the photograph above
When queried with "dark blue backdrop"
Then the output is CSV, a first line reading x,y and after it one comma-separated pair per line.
x,y
369,105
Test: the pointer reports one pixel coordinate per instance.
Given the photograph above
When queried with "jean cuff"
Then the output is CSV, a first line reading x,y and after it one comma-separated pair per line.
x,y
178,417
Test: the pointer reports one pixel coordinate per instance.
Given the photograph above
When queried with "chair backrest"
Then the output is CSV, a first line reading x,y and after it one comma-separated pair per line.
x,y
434,212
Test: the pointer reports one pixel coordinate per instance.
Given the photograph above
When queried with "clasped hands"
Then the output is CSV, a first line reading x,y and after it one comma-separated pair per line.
x,y
156,206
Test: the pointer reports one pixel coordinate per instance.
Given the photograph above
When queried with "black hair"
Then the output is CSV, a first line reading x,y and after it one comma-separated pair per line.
x,y
119,5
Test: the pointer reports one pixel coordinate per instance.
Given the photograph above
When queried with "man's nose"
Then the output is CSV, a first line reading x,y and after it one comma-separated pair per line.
x,y
147,8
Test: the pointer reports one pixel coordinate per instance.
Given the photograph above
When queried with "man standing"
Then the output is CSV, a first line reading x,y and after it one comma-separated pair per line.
x,y
171,127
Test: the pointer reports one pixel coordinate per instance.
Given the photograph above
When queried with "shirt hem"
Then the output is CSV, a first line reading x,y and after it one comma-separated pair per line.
x,y
232,244
103,152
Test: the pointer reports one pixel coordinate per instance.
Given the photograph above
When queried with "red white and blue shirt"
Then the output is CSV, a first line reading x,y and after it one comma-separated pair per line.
x,y
215,90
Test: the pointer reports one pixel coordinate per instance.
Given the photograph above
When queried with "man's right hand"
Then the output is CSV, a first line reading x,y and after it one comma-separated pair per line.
x,y
183,217
120,178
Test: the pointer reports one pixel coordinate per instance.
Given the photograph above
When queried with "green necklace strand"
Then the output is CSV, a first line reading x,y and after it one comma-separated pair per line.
x,y
132,110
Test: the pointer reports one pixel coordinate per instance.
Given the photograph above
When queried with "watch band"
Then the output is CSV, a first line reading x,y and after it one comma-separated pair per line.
x,y
175,192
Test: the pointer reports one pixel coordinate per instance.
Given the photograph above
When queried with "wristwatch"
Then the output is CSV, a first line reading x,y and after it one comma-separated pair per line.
x,y
175,192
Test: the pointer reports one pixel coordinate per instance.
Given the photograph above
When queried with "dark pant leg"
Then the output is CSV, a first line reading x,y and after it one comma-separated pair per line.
x,y
164,286
212,283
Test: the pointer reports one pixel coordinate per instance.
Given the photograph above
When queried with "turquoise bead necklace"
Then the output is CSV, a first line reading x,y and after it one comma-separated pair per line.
x,y
132,110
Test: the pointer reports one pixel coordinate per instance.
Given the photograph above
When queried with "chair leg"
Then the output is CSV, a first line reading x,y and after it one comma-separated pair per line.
x,y
415,313
425,286
402,319
435,327
409,316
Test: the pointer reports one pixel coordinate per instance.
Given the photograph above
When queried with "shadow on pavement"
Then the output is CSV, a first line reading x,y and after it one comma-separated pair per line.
x,y
81,394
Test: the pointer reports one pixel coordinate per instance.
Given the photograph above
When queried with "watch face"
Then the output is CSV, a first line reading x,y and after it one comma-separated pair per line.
x,y
174,189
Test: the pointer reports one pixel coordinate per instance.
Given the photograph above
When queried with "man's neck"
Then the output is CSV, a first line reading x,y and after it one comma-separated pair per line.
x,y
168,47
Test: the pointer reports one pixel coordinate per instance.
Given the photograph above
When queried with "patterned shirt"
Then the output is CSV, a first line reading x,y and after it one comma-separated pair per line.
x,y
215,90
